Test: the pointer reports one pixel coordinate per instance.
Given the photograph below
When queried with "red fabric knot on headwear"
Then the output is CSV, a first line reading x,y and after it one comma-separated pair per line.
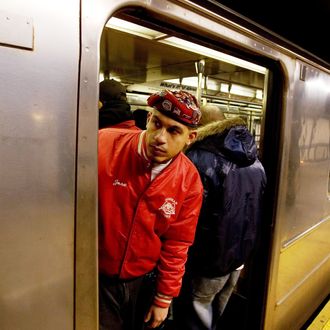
x,y
179,105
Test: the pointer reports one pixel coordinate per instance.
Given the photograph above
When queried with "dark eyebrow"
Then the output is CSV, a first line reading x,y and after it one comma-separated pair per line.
x,y
175,127
172,127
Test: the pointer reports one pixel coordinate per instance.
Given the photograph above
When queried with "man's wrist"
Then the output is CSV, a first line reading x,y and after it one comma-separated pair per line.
x,y
162,300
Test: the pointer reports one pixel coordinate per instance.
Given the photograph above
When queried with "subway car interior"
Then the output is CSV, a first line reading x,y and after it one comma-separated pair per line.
x,y
147,58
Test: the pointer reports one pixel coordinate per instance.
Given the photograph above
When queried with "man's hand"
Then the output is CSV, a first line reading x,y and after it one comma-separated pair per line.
x,y
156,316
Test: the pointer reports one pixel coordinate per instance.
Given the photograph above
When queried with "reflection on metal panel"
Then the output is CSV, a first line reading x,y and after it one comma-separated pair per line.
x,y
37,169
308,161
303,257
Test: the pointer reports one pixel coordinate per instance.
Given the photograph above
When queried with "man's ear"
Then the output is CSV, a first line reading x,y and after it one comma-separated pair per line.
x,y
191,137
149,115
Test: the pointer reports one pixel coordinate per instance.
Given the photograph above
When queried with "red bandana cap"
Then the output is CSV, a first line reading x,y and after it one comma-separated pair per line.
x,y
178,105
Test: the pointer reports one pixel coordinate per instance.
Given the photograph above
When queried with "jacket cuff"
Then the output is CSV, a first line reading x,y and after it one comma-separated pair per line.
x,y
161,300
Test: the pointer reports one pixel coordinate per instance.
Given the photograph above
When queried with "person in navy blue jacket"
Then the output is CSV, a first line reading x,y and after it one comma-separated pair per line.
x,y
234,180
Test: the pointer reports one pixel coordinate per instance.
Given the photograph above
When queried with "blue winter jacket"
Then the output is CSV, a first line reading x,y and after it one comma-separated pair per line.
x,y
234,180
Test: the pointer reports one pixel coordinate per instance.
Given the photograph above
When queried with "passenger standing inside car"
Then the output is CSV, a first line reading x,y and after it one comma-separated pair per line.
x,y
234,180
114,111
150,196
140,117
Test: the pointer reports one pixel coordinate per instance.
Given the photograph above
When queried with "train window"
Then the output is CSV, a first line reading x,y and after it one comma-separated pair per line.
x,y
151,60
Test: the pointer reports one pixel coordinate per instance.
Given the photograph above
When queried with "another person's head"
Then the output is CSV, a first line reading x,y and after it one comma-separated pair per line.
x,y
171,125
113,107
111,90
140,117
210,113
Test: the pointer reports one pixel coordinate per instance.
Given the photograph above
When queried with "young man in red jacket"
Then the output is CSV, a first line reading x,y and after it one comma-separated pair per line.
x,y
150,196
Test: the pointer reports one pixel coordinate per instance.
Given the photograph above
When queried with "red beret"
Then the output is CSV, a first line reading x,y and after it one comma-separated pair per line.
x,y
179,105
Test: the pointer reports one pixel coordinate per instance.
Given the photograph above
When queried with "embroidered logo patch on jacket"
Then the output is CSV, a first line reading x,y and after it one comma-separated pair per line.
x,y
168,207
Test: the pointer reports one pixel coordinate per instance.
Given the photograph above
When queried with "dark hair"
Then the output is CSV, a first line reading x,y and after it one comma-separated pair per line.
x,y
140,117
112,90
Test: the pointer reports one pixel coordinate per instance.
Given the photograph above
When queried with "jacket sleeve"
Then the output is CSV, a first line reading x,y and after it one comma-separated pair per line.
x,y
177,240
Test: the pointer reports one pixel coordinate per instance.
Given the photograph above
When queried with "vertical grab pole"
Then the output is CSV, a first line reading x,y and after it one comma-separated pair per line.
x,y
200,65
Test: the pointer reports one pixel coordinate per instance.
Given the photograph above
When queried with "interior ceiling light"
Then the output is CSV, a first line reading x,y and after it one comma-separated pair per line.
x,y
242,90
131,28
239,104
138,30
201,50
224,88
173,81
186,81
190,81
259,94
211,84
255,106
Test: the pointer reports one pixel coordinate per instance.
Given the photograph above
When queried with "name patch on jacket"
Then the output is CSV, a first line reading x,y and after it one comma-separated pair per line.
x,y
118,183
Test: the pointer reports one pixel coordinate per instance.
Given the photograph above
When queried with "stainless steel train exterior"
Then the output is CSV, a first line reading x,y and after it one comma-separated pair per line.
x,y
50,65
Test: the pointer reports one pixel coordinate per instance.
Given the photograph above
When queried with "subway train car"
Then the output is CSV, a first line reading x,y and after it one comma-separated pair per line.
x,y
53,54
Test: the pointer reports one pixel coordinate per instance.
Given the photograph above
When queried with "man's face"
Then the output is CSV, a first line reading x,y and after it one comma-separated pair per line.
x,y
165,137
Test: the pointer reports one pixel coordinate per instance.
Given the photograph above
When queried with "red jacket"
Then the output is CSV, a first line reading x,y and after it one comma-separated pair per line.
x,y
145,224
127,124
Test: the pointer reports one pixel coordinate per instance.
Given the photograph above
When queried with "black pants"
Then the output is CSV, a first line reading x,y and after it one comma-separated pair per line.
x,y
123,304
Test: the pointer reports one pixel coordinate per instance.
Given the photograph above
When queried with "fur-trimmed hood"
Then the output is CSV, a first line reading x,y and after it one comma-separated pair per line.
x,y
229,137
218,127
